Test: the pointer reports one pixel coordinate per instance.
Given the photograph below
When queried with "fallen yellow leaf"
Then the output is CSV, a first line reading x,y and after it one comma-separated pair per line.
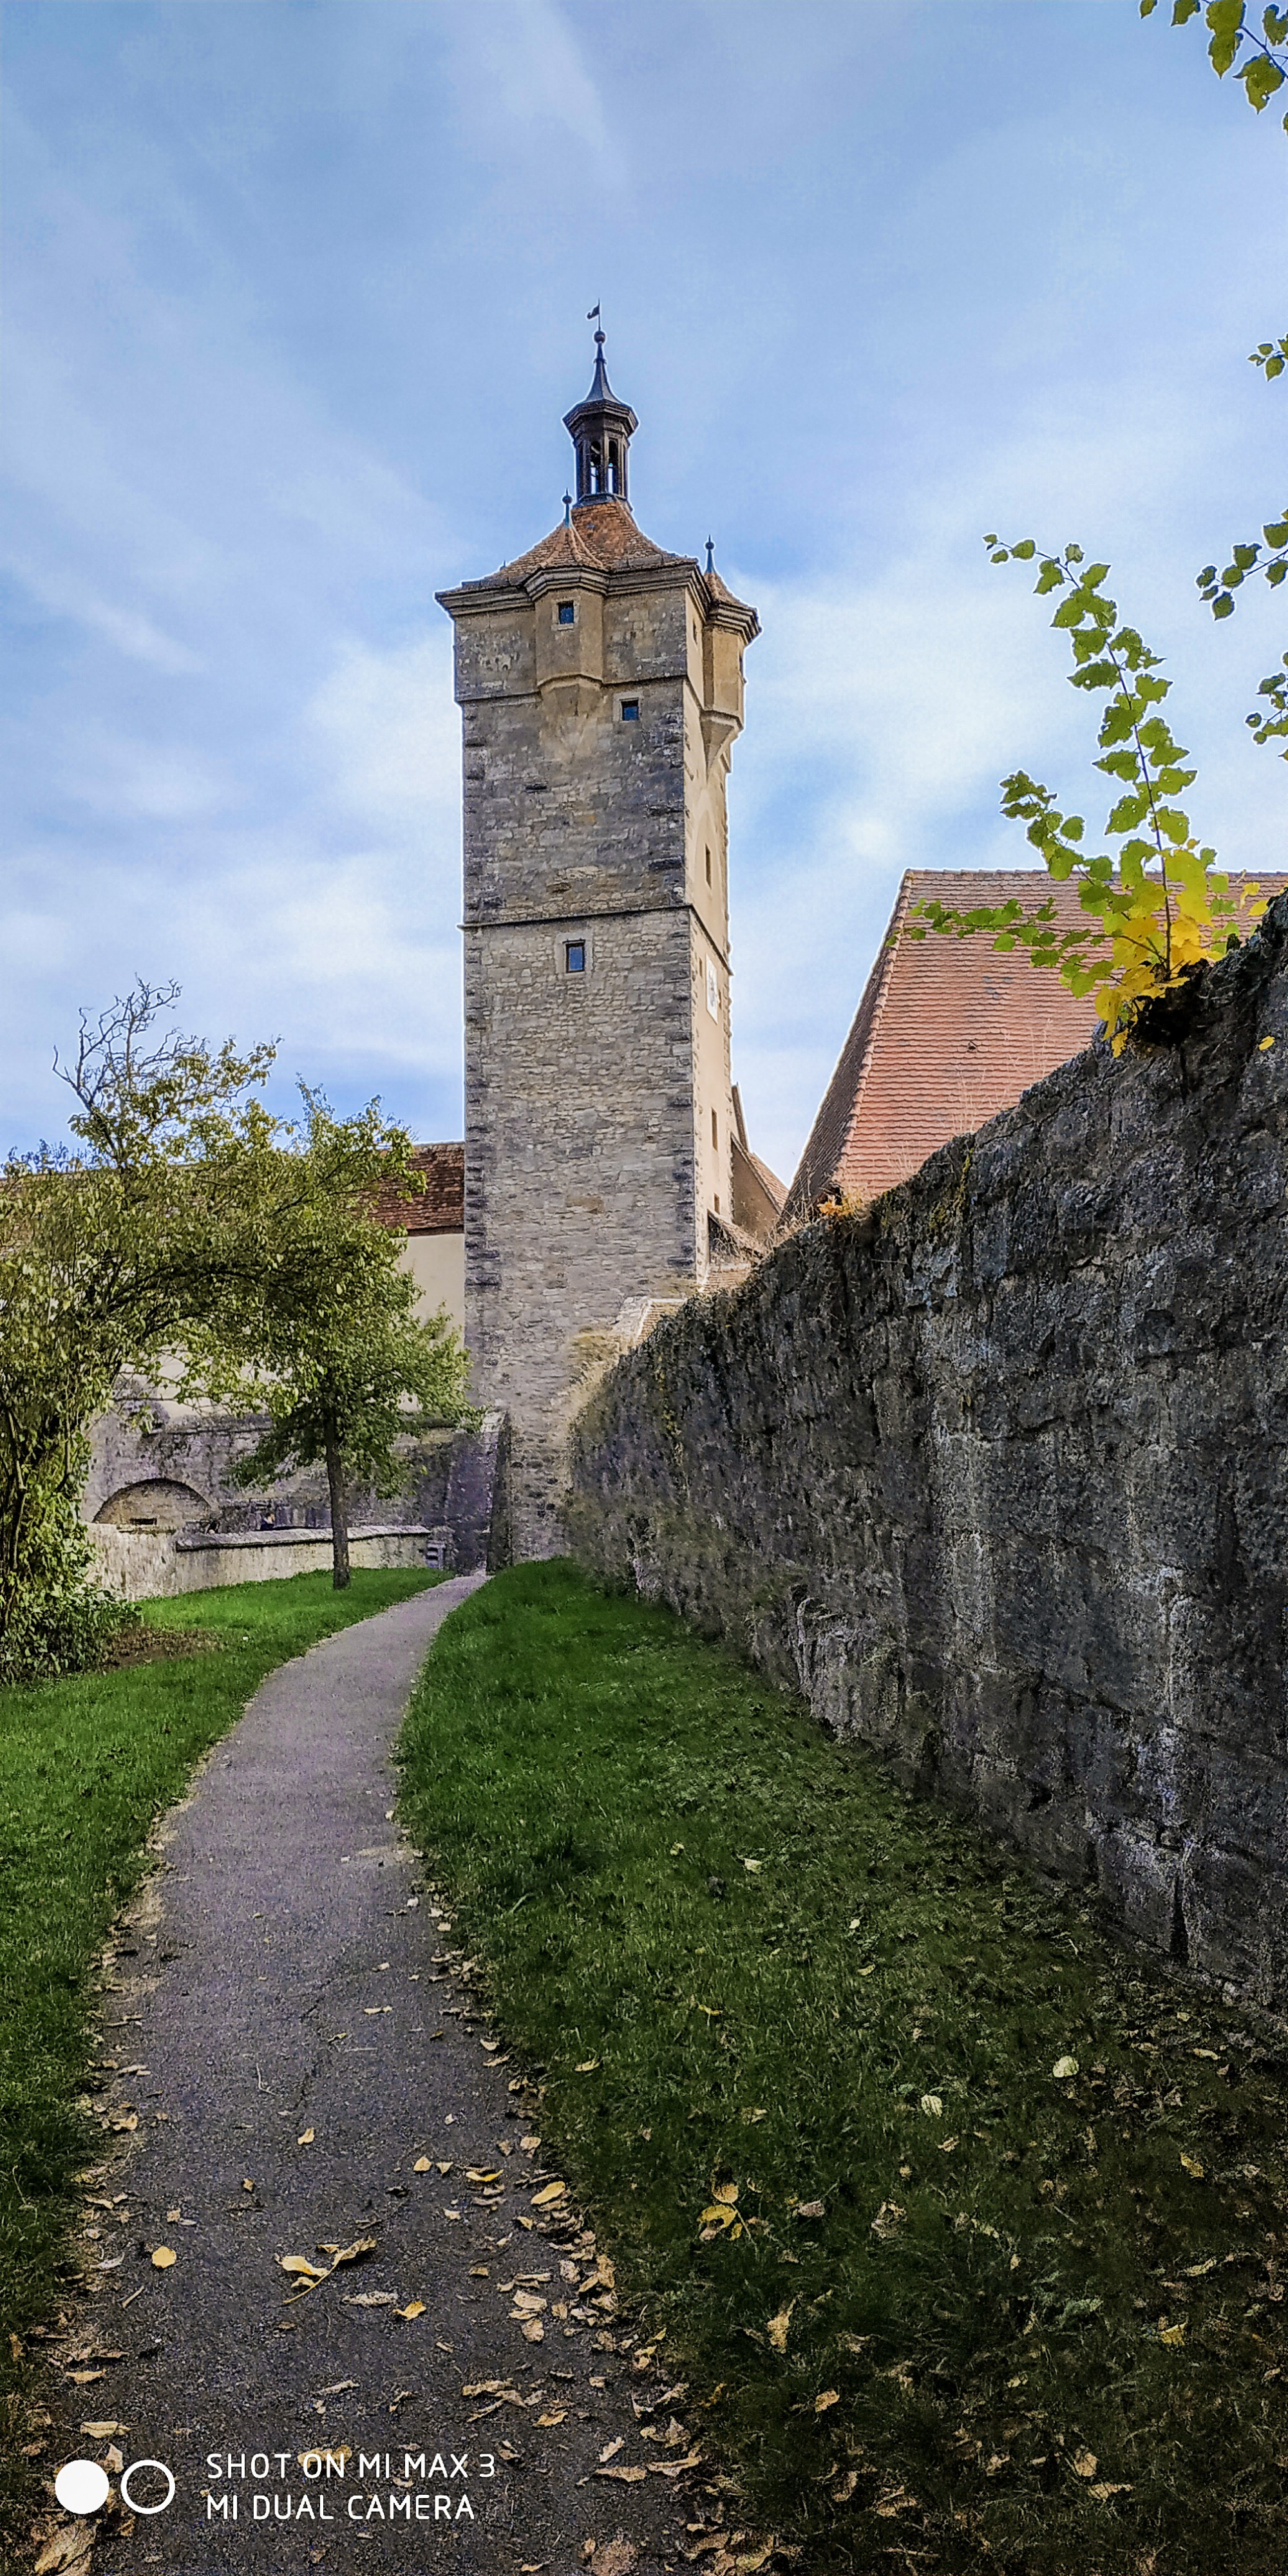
x,y
588,2066
305,2138
1064,2069
299,2263
1084,2464
557,2418
1266,1042
1105,2490
101,2430
1171,2334
1192,2166
777,2327
932,2105
830,2397
553,2191
163,2257
423,2164
475,2173
350,2253
414,2308
726,2191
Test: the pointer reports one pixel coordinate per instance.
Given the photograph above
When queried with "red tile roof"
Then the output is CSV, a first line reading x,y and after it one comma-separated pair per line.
x,y
601,536
948,1033
440,1207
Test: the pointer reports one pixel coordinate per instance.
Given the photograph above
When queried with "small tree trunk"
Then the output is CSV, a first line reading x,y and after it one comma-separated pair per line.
x,y
340,1574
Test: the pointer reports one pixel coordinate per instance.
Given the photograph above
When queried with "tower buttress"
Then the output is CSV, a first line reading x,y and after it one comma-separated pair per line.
x,y
601,687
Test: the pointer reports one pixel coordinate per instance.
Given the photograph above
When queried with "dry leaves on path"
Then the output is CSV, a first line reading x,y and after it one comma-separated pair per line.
x,y
69,2547
612,2557
349,2253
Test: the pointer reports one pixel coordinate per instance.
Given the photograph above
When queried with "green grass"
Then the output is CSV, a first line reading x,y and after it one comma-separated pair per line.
x,y
590,1780
86,1765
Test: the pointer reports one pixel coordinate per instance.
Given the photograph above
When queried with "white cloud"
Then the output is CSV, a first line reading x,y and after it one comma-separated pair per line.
x,y
387,727
521,59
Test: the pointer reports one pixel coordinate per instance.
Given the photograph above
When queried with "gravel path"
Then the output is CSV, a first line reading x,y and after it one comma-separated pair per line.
x,y
293,2068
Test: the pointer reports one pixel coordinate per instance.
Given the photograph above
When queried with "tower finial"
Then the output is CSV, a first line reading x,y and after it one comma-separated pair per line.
x,y
600,429
567,502
711,555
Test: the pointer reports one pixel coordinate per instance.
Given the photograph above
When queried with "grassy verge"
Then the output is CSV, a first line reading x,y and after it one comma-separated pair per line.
x,y
948,2308
86,1765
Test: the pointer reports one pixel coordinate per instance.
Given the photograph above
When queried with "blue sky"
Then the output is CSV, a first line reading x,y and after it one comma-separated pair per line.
x,y
293,305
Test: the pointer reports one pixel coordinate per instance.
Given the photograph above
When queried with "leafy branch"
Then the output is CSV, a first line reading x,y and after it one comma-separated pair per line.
x,y
1264,67
1263,70
1155,906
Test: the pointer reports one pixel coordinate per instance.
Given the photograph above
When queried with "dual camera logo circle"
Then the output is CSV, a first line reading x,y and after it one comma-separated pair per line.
x,y
81,2486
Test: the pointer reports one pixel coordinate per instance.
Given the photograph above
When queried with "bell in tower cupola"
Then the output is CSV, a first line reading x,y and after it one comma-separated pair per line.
x,y
600,429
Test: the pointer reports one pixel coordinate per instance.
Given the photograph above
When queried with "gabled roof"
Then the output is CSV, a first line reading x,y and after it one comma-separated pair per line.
x,y
948,1033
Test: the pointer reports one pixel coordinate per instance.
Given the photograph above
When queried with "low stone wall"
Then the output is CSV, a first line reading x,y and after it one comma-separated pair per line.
x,y
995,1474
143,1565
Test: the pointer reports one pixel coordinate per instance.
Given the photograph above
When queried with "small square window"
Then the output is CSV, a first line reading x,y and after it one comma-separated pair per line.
x,y
567,612
630,711
575,956
715,1131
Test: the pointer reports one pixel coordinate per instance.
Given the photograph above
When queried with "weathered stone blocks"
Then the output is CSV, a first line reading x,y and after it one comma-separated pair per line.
x,y
997,1475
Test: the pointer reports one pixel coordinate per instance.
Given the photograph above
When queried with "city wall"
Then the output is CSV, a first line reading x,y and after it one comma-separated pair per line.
x,y
995,1474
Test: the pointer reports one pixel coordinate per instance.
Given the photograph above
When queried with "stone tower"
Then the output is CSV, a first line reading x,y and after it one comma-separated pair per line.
x,y
600,682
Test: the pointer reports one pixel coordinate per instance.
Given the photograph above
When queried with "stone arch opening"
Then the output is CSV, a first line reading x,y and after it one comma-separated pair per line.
x,y
161,1503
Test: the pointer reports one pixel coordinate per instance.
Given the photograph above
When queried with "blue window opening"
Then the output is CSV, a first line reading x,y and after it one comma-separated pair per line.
x,y
630,711
567,612
575,956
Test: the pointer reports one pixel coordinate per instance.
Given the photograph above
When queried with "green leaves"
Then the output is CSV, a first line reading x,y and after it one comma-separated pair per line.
x,y
1229,34
190,1219
1269,728
1152,913
1218,588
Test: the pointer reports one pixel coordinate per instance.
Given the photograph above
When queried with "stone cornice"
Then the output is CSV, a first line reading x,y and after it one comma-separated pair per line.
x,y
577,920
485,598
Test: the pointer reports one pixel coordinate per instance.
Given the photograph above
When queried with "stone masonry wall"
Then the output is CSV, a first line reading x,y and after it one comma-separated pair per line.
x,y
589,1154
995,1473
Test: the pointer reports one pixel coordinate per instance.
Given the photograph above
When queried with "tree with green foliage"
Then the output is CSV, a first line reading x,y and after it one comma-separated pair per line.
x,y
344,1368
182,1196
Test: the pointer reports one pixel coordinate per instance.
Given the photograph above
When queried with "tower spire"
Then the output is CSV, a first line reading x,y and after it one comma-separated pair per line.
x,y
600,429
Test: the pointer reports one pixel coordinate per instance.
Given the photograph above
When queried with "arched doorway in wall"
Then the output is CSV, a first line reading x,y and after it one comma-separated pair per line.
x,y
159,1504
